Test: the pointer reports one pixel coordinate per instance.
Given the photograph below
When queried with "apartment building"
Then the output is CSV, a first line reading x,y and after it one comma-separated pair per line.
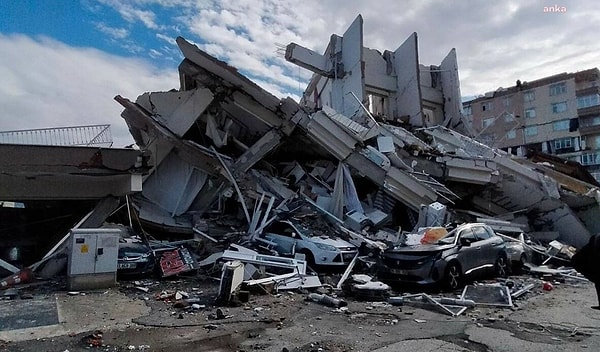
x,y
558,115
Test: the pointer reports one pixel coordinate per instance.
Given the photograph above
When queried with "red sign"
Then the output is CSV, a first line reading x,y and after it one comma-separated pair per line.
x,y
176,261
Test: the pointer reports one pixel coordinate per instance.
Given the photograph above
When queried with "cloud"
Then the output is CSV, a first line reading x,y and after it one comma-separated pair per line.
x,y
132,14
113,33
49,84
155,53
496,42
246,35
166,38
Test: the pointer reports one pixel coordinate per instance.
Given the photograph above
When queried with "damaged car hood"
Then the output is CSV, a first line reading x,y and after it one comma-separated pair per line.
x,y
336,242
422,249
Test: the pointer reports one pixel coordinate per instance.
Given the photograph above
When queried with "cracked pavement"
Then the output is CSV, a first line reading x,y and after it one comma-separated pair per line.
x,y
547,321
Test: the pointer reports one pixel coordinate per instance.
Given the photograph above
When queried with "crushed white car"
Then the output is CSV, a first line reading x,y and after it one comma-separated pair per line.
x,y
288,238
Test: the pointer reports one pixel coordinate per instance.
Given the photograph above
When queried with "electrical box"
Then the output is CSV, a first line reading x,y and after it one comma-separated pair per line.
x,y
93,258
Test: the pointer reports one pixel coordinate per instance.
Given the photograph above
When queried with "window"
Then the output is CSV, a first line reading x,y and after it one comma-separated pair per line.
x,y
530,113
558,88
588,159
512,134
487,122
467,110
559,107
282,229
467,235
587,101
529,96
508,117
562,143
481,233
506,101
531,131
562,125
487,106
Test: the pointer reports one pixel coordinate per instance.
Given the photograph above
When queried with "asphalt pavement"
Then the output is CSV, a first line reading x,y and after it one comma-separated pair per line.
x,y
548,321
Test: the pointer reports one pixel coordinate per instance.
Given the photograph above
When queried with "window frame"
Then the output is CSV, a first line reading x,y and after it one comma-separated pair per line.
x,y
557,89
528,116
587,101
563,143
487,122
588,158
529,96
555,107
561,125
533,129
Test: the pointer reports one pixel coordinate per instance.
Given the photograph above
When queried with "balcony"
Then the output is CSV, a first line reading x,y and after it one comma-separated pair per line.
x,y
588,159
587,91
588,130
590,110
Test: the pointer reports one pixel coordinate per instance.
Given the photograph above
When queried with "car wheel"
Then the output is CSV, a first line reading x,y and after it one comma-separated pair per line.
x,y
501,266
522,260
453,276
309,257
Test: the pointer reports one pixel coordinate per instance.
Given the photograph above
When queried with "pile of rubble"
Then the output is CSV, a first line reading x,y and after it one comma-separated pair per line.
x,y
280,190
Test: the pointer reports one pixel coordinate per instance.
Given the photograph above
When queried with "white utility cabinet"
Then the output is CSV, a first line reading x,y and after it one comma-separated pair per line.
x,y
93,258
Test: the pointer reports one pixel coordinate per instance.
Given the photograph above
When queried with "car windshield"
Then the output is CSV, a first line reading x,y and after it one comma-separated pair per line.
x,y
449,238
303,230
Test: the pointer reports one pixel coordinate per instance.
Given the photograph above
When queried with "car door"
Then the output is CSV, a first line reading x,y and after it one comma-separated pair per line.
x,y
468,255
487,246
284,235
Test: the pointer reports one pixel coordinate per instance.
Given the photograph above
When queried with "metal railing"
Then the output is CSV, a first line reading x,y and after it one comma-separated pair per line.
x,y
92,135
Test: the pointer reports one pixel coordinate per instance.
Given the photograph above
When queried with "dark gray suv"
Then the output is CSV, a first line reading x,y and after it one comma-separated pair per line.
x,y
467,250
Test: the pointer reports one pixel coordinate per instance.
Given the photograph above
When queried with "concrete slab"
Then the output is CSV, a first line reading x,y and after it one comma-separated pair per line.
x,y
61,314
21,314
553,321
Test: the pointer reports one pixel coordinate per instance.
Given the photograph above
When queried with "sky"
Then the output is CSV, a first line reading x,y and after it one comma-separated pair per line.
x,y
63,61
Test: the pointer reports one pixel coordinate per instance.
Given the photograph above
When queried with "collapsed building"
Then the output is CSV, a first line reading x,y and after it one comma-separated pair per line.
x,y
374,141
377,146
